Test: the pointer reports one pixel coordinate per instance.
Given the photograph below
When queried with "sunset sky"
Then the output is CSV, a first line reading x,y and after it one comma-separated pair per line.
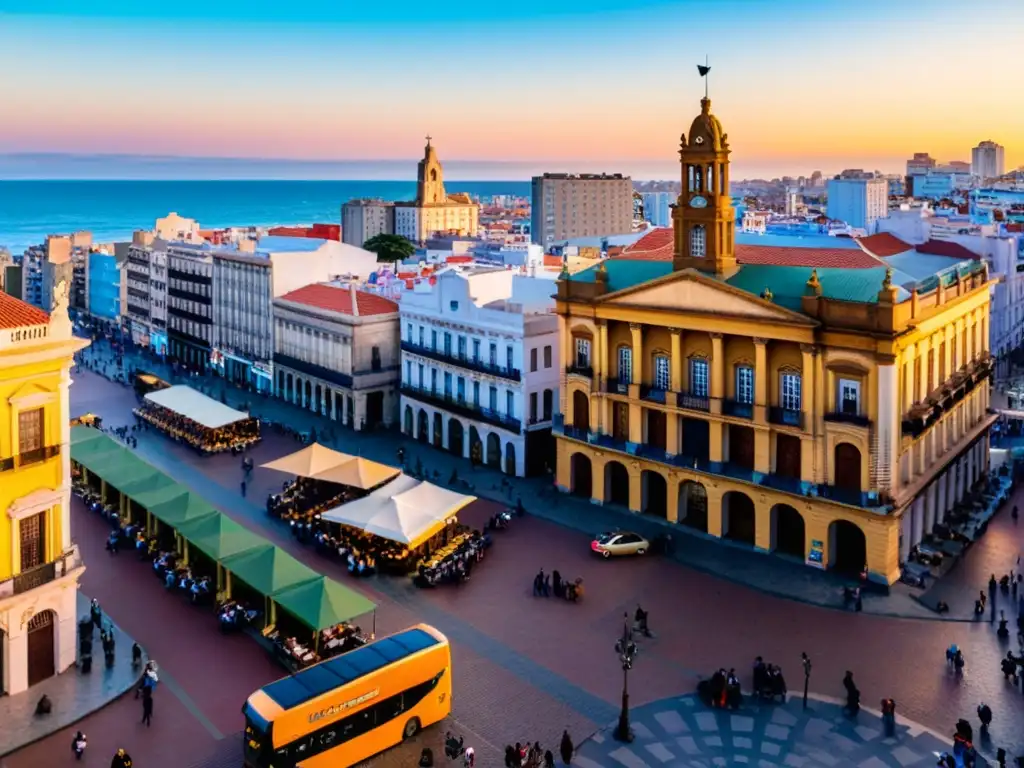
x,y
570,85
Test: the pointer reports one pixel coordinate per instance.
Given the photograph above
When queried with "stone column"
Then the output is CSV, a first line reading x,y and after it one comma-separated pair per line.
x,y
807,383
929,509
906,533
676,361
887,429
601,353
717,389
65,458
942,497
760,380
672,499
636,374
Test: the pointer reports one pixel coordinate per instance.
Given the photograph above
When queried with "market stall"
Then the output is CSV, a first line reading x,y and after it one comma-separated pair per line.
x,y
189,416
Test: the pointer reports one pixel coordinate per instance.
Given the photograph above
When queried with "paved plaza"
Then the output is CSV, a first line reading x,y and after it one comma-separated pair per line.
x,y
683,733
527,667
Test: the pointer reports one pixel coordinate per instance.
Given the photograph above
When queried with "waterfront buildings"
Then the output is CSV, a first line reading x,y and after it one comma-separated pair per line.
x,y
834,413
363,219
336,353
435,211
45,266
566,206
860,202
39,566
480,367
987,160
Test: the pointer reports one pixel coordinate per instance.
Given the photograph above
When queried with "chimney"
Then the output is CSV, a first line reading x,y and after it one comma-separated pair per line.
x,y
355,303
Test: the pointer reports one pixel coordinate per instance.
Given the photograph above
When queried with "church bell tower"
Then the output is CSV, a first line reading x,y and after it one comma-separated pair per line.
x,y
430,178
703,218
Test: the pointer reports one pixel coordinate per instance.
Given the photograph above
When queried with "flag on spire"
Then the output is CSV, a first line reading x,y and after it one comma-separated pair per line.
x,y
703,69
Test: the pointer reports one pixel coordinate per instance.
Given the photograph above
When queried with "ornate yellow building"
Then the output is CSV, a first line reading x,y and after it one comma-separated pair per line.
x,y
833,415
435,211
39,566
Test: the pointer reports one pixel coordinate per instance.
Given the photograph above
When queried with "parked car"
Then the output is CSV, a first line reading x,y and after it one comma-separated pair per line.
x,y
619,543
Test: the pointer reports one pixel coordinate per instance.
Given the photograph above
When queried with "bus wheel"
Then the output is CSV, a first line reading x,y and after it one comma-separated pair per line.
x,y
411,728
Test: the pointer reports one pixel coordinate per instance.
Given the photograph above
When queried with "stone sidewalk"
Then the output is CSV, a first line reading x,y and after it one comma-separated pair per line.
x,y
771,574
74,695
683,732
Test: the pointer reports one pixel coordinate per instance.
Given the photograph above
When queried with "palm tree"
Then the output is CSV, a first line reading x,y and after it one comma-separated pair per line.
x,y
390,248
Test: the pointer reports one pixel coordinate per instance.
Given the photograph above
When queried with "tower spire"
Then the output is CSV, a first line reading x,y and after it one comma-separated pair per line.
x,y
704,69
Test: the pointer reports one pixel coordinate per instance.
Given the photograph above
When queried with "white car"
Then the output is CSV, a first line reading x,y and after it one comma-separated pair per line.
x,y
620,543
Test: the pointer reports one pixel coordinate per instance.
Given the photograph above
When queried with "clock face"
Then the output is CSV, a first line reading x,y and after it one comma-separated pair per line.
x,y
699,140
698,202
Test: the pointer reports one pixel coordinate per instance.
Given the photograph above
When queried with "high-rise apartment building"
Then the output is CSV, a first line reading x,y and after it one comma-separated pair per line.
x,y
656,208
585,205
987,160
859,202
363,219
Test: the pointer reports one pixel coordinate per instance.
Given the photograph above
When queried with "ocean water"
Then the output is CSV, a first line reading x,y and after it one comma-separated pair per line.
x,y
112,210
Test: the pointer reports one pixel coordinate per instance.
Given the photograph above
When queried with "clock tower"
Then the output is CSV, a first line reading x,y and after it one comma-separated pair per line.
x,y
703,218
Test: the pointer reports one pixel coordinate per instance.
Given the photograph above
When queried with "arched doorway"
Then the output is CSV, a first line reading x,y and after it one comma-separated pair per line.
x,y
309,395
289,388
693,506
455,436
510,458
616,484
41,647
580,411
847,548
739,521
581,476
423,427
438,431
788,531
653,493
407,421
493,450
847,470
476,447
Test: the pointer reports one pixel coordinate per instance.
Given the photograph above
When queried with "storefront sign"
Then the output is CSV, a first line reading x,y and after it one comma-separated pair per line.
x,y
816,557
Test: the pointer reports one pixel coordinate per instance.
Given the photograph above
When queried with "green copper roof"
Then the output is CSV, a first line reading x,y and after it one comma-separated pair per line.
x,y
625,273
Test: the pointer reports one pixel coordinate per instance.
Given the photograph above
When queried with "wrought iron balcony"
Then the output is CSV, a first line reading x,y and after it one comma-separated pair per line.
x,y
580,370
845,417
694,402
654,394
738,409
28,458
462,407
35,577
789,417
462,361
616,386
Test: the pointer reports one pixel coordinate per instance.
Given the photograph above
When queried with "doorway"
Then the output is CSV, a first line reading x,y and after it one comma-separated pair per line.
x,y
41,647
374,410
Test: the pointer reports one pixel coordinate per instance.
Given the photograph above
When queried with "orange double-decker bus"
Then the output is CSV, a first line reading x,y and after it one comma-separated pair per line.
x,y
340,712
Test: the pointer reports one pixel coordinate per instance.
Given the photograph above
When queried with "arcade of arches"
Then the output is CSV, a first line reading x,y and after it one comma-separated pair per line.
x,y
815,531
461,437
359,409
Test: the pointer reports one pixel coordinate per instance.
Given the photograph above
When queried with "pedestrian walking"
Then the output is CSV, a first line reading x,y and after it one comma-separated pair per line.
x,y
566,748
147,706
78,745
121,760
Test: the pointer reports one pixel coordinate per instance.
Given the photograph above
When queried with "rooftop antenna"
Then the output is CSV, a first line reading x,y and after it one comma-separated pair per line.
x,y
704,69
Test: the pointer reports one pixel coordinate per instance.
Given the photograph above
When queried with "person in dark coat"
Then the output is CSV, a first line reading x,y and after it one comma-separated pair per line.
x,y
121,760
147,706
566,748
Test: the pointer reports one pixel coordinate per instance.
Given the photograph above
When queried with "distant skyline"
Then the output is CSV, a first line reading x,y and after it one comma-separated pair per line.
x,y
580,85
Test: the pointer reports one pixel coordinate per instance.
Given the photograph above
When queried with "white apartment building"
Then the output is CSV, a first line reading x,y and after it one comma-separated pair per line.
x,y
336,353
988,160
860,202
480,367
363,219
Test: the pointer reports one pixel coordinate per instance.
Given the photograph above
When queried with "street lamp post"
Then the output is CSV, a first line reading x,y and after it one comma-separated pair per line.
x,y
626,650
806,660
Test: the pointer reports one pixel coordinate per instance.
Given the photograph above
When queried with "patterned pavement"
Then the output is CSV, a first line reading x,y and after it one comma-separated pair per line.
x,y
683,733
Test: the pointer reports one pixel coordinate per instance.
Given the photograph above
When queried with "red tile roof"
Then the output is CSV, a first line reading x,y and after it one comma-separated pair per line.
x,y
15,313
883,245
659,244
336,299
947,248
459,260
552,261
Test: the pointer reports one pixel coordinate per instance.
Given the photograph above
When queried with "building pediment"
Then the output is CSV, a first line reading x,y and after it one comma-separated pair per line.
x,y
691,291
30,394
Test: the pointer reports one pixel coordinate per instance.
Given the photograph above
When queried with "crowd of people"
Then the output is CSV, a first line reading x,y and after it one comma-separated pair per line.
x,y
302,500
233,437
333,641
553,585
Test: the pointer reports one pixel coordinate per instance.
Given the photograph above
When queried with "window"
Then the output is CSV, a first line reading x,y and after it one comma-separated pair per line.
x,y
582,353
849,397
476,393
433,380
533,406
454,306
408,373
447,384
745,384
625,365
549,398
408,332
662,373
476,350
790,391
33,541
375,358
30,431
447,343
493,399
533,359
462,347
494,354
698,377
460,389
421,335
547,356
510,403
698,242
510,358
433,340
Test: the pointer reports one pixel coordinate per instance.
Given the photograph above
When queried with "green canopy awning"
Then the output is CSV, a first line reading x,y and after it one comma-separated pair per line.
x,y
149,499
323,603
128,470
219,537
81,434
106,462
180,509
96,454
269,570
134,488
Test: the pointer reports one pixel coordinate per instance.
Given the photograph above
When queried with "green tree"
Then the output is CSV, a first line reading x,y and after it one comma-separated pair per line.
x,y
390,248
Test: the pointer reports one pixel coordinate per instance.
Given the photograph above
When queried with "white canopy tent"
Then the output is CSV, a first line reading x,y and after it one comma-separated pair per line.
x,y
405,510
196,407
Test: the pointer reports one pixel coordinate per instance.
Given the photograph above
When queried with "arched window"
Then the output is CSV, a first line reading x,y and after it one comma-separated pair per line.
x,y
698,242
625,364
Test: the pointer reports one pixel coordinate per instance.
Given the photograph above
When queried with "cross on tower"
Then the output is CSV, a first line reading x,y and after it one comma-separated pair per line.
x,y
429,137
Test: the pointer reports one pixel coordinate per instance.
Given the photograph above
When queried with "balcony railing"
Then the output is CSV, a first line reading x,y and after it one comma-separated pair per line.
x,y
35,577
580,370
28,458
694,402
462,361
462,407
616,386
654,394
788,417
738,409
844,417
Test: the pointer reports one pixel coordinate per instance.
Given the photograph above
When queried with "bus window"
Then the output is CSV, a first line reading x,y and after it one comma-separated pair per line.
x,y
389,709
